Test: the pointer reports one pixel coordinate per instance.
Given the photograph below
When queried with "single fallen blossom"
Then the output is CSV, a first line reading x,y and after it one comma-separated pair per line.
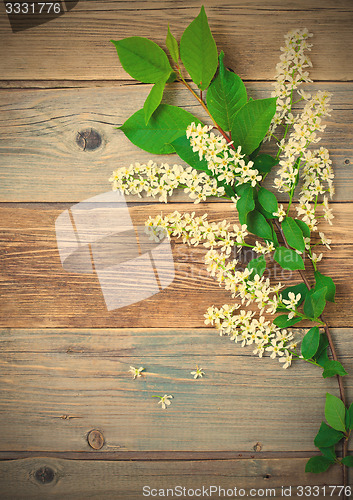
x,y
198,373
136,372
164,400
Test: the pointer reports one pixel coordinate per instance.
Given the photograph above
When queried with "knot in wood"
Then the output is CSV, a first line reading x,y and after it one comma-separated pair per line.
x,y
44,475
88,139
95,439
257,446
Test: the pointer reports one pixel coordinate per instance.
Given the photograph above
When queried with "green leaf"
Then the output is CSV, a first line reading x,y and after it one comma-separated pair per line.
x,y
198,51
332,368
282,321
288,258
293,234
300,288
251,123
143,59
315,303
321,356
264,163
329,452
310,343
172,46
245,203
325,281
327,436
267,200
335,412
182,147
153,99
318,464
225,96
348,461
303,227
256,151
167,124
349,417
258,225
257,265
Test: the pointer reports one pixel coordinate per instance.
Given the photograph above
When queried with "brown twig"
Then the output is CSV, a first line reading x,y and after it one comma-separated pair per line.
x,y
334,355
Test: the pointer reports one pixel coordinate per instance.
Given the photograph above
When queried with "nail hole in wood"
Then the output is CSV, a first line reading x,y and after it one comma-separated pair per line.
x,y
267,476
44,475
347,162
95,439
88,139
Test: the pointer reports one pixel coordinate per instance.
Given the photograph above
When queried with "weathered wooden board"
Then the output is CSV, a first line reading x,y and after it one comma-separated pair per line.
x,y
250,33
38,292
49,375
43,478
42,161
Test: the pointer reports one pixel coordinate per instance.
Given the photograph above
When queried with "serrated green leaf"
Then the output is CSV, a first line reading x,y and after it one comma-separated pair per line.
x,y
349,417
348,461
153,99
282,321
198,51
184,150
310,343
315,303
267,200
335,412
245,203
172,46
288,258
303,227
264,163
300,288
325,281
293,234
258,225
327,436
225,96
143,59
332,368
167,124
329,452
251,123
257,266
321,356
182,147
318,464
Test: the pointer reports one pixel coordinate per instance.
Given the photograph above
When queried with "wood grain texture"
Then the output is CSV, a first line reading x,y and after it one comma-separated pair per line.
x,y
125,480
38,292
250,33
58,385
41,160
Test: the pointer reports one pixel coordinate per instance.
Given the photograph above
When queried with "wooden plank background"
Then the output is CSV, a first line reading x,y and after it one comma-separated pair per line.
x,y
65,358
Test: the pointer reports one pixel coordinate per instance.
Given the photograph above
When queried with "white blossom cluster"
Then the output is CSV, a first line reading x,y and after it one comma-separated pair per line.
x,y
290,72
224,162
241,284
244,328
161,180
293,149
194,230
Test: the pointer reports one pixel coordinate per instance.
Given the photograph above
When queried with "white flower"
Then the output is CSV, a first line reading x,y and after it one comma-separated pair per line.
x,y
280,213
286,359
136,372
316,258
325,241
198,373
164,400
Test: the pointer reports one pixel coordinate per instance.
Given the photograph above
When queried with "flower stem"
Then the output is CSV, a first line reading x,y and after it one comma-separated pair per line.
x,y
181,80
333,351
